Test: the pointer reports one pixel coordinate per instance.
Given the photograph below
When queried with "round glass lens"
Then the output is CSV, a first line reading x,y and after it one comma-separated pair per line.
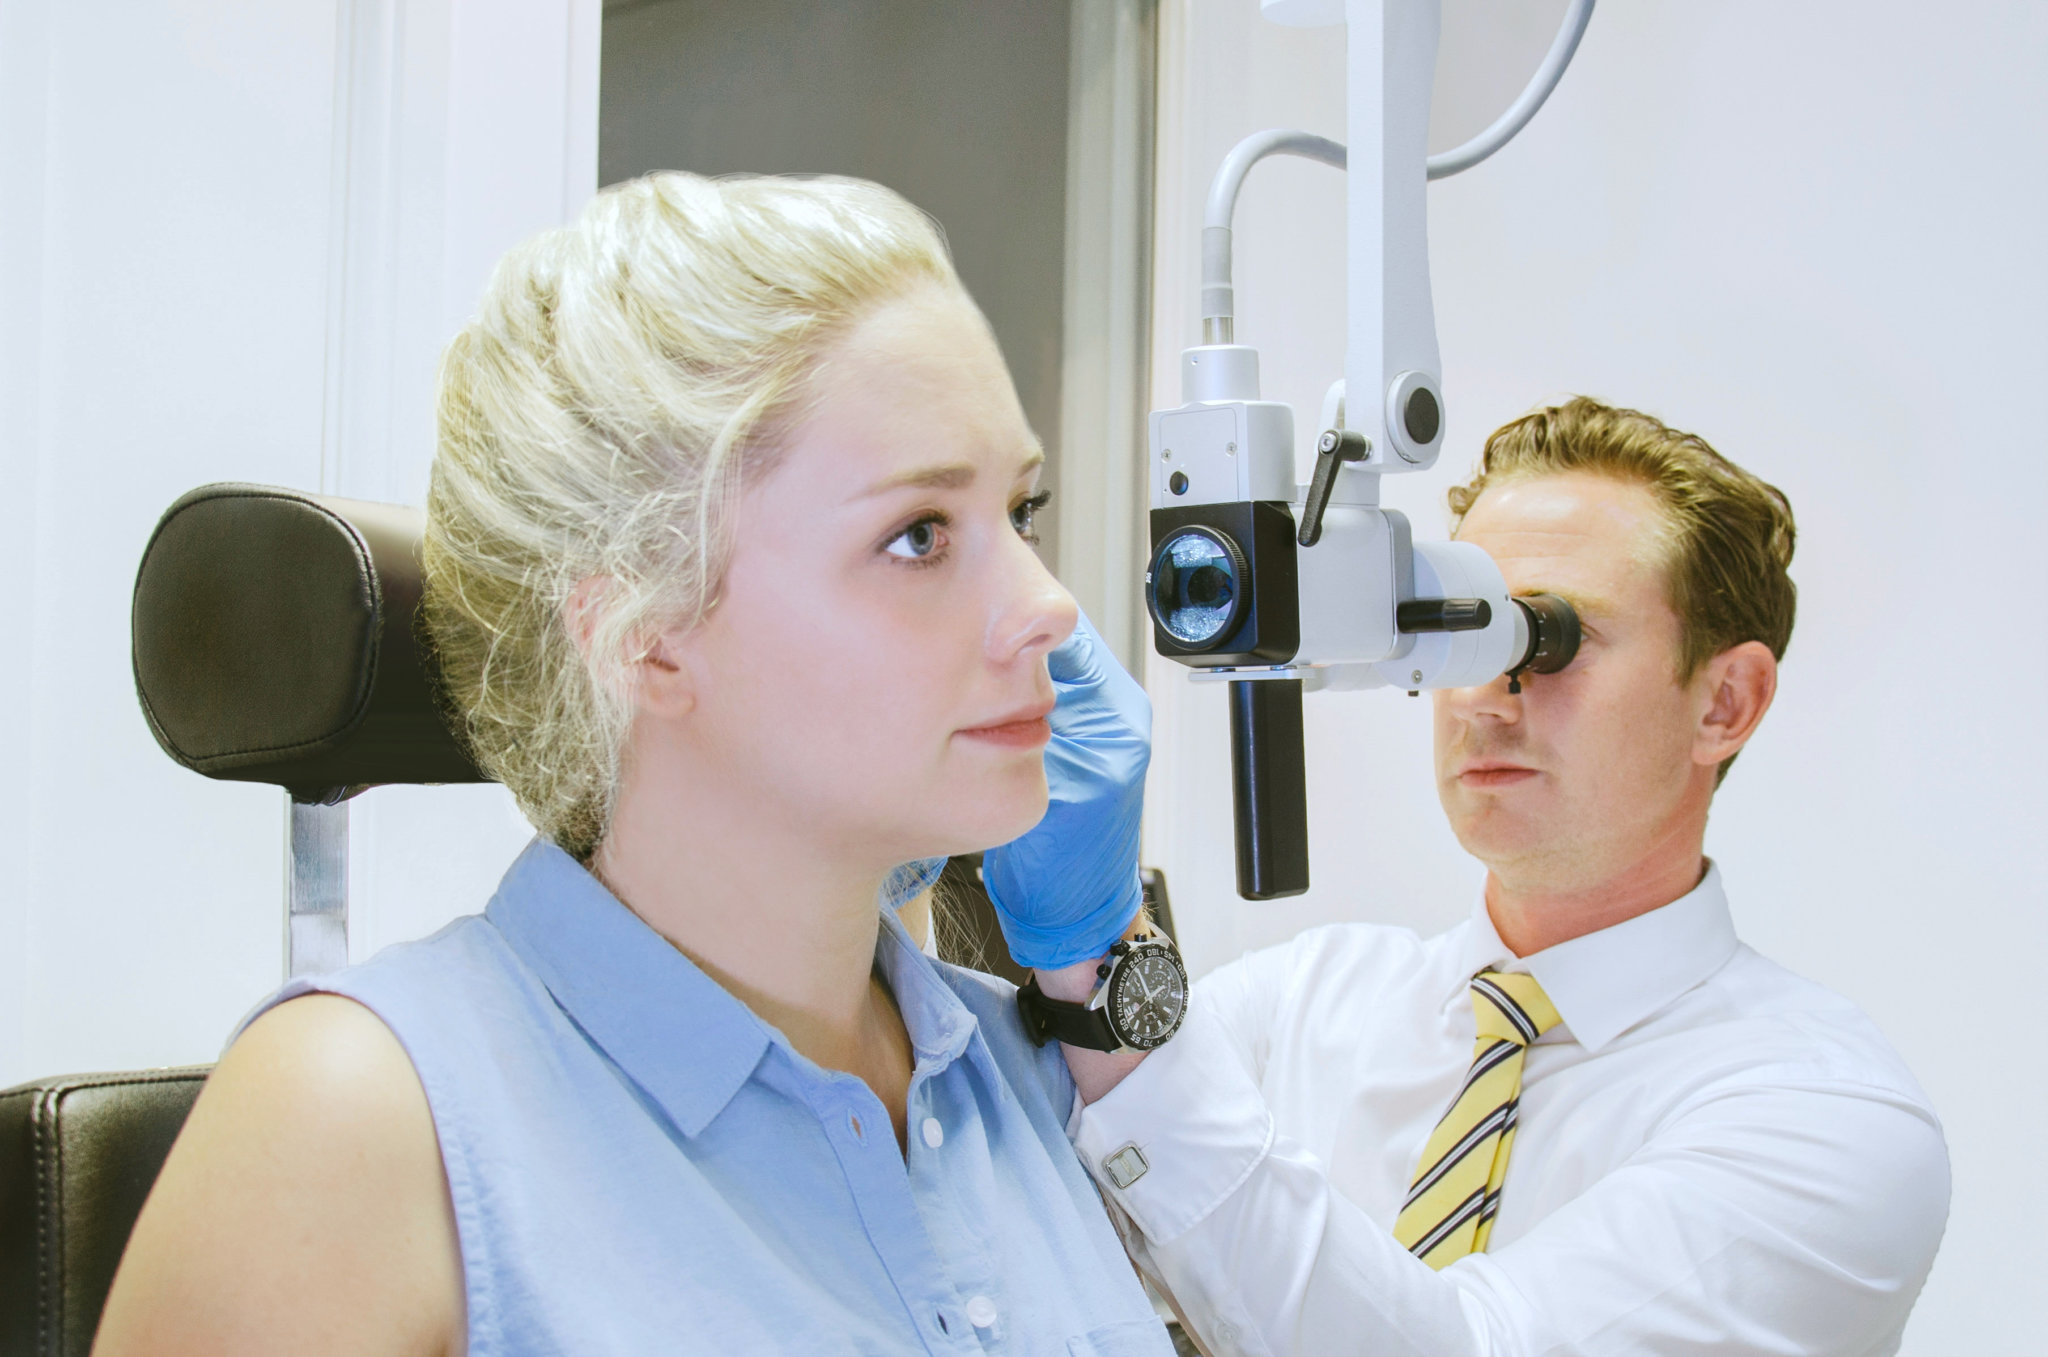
x,y
1194,588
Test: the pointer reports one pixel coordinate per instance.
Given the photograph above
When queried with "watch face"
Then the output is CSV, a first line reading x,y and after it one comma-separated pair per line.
x,y
1148,997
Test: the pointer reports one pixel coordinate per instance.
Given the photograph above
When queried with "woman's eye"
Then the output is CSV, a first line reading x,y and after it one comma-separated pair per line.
x,y
1024,518
917,542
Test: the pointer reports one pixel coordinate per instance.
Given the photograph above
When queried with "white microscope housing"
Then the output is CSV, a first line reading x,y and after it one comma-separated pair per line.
x,y
1276,587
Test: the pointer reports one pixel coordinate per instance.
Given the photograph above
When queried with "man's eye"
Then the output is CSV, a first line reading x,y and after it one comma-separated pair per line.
x,y
1024,518
917,542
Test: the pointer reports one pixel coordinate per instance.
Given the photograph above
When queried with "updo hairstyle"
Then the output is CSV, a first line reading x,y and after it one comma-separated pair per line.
x,y
623,379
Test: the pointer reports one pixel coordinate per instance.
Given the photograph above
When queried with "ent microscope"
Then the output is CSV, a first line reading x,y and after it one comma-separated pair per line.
x,y
1278,588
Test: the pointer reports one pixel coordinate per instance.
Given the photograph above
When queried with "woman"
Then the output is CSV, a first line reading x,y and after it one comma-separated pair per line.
x,y
729,571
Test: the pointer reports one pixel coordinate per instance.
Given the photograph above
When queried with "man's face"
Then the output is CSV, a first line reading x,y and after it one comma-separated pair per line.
x,y
1588,772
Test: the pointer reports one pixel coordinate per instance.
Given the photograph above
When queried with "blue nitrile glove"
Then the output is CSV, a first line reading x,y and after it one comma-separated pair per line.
x,y
1069,888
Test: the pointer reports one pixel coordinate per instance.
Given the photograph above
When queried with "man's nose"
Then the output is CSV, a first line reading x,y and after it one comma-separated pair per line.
x,y
1486,701
1033,612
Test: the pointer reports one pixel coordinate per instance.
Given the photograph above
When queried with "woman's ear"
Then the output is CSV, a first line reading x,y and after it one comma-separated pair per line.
x,y
663,685
1736,686
647,663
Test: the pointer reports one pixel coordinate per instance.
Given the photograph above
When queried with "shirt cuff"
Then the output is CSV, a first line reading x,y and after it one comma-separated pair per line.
x,y
1181,1133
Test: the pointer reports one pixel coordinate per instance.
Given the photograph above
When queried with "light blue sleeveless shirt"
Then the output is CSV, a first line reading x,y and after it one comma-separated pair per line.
x,y
639,1165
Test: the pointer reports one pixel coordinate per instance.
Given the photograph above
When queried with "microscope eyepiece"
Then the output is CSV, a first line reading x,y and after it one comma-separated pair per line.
x,y
1553,637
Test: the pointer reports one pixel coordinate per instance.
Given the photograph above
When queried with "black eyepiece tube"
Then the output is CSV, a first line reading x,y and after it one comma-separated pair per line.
x,y
1553,635
1269,788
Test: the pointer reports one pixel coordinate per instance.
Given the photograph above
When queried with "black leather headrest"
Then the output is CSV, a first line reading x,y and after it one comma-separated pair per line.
x,y
274,642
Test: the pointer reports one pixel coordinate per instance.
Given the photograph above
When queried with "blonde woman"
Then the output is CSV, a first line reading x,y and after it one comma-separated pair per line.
x,y
729,568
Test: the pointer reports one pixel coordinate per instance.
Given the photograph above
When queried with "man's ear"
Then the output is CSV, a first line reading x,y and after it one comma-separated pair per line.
x,y
1736,687
647,663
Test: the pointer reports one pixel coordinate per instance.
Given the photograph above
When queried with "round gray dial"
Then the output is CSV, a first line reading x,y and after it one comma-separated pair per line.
x,y
1148,997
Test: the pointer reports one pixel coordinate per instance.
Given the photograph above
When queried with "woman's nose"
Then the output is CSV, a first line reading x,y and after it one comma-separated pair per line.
x,y
1033,612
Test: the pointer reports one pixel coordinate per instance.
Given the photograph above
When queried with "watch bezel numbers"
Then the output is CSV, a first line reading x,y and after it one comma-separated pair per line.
x,y
1127,972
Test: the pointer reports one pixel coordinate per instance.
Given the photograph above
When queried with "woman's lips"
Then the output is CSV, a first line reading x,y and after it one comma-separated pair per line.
x,y
1025,734
1021,728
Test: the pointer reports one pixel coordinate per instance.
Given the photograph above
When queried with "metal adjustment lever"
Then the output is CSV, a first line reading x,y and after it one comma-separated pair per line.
x,y
1443,614
1333,449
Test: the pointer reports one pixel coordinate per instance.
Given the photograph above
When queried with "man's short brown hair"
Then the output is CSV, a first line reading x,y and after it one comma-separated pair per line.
x,y
1729,535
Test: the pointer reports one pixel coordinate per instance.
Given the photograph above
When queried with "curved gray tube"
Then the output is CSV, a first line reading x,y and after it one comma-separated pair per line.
x,y
1219,307
1218,304
1531,98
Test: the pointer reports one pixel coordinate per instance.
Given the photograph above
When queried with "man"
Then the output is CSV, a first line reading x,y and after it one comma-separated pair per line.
x,y
1587,1120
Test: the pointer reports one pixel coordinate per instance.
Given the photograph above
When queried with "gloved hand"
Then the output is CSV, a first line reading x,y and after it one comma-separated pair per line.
x,y
1069,888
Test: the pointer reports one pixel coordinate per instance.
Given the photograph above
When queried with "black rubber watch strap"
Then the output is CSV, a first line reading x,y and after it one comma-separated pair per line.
x,y
1058,1020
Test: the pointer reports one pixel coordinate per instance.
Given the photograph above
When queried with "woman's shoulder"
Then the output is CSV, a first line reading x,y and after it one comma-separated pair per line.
x,y
314,1114
457,975
321,1067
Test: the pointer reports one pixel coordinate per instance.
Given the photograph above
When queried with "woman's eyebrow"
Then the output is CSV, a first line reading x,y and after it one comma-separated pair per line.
x,y
950,476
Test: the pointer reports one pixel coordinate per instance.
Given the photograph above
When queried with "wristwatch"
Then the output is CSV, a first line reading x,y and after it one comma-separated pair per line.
x,y
1137,1007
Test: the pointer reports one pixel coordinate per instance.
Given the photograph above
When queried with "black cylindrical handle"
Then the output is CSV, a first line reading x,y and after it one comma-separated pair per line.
x,y
1443,614
1269,788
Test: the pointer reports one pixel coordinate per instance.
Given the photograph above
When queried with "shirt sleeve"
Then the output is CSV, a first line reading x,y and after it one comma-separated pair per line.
x,y
1786,1217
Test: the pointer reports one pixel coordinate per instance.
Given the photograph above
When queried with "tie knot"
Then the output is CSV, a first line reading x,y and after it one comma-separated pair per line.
x,y
1511,1007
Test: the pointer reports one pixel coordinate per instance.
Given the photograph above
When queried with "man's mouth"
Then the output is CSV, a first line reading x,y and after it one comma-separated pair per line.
x,y
1492,773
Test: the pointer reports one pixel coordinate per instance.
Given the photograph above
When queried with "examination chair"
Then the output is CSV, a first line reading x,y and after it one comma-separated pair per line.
x,y
274,641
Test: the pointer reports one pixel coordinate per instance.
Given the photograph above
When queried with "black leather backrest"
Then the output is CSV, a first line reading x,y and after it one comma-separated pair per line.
x,y
274,641
77,1158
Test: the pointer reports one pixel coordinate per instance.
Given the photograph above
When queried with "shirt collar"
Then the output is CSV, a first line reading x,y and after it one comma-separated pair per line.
x,y
939,1024
676,1032
1607,981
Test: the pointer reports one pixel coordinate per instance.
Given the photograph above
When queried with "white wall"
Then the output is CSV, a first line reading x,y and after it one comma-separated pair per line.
x,y
233,234
1812,234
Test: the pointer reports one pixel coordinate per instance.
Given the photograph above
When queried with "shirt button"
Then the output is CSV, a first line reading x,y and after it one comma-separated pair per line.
x,y
981,1312
934,1134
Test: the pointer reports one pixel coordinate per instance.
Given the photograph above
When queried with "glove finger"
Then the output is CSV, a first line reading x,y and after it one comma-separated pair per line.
x,y
1077,660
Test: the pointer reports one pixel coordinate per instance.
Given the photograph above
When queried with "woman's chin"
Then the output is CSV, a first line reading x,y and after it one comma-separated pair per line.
x,y
974,822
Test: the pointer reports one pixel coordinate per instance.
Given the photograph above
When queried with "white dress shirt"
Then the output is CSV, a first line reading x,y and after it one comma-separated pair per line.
x,y
1714,1155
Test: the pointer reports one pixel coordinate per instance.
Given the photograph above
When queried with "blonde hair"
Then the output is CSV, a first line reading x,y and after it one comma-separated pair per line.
x,y
624,375
1729,534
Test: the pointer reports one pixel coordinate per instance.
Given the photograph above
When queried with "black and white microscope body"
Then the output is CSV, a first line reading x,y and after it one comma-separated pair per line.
x,y
1277,587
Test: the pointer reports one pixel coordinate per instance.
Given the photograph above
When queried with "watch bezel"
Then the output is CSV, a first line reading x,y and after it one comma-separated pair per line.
x,y
1120,973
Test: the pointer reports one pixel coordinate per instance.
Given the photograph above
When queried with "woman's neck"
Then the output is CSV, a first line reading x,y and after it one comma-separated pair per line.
x,y
788,932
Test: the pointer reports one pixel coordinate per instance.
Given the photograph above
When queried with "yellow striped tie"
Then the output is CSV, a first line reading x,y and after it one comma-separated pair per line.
x,y
1456,1192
